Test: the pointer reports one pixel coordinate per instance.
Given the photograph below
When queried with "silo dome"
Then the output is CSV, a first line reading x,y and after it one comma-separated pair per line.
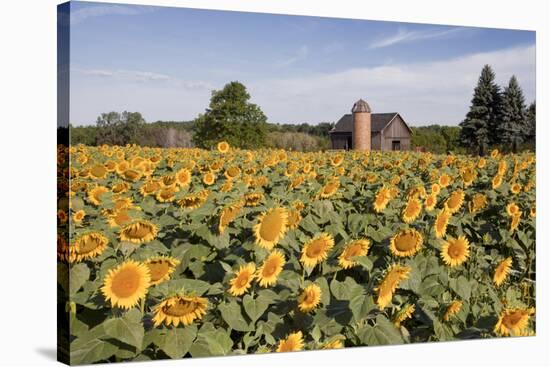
x,y
360,106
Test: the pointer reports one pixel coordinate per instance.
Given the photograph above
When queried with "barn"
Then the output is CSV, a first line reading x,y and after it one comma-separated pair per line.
x,y
387,131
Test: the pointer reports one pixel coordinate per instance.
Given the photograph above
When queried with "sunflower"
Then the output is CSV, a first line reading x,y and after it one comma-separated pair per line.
x,y
455,251
513,321
271,268
335,343
430,202
78,216
469,174
228,215
310,298
149,188
139,231
515,188
223,147
166,194
126,284
514,222
292,343
354,248
242,280
454,201
132,174
382,199
329,189
412,210
98,171
441,222
160,268
406,243
227,186
271,227
394,275
497,181
296,181
95,194
253,199
502,271
232,172
120,187
178,309
209,178
479,201
444,180
436,189
316,250
193,201
403,314
167,181
294,219
118,218
183,177
89,245
512,209
494,153
453,308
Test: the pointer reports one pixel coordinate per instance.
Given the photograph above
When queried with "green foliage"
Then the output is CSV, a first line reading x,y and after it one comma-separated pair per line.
x,y
436,138
513,123
119,128
232,118
483,115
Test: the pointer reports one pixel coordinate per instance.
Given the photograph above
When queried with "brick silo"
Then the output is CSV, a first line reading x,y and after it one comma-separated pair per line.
x,y
361,130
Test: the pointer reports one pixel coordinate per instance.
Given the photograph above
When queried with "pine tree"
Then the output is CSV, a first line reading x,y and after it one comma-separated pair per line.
x,y
513,126
477,127
531,117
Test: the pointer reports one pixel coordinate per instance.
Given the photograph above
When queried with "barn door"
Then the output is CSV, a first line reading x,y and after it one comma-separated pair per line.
x,y
396,145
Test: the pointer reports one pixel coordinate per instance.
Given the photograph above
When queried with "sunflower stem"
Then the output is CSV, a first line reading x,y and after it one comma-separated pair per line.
x,y
142,306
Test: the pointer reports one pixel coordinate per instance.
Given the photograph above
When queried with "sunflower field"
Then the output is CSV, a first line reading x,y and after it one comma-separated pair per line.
x,y
172,253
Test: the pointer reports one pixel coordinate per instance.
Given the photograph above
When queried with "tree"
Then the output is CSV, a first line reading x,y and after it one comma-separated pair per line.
x,y
513,126
231,117
119,129
483,114
531,118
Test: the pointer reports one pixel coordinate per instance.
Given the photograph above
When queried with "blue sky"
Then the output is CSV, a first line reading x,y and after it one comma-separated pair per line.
x,y
164,62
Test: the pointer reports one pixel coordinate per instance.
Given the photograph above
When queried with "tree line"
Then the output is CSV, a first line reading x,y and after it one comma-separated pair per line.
x,y
498,117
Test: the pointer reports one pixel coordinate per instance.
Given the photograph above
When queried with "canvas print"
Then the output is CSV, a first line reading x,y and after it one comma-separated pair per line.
x,y
235,183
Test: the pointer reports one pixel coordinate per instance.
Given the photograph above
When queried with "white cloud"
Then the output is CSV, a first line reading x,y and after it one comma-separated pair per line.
x,y
404,36
430,92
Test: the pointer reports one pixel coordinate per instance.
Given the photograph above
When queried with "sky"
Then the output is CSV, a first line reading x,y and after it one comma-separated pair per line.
x,y
165,62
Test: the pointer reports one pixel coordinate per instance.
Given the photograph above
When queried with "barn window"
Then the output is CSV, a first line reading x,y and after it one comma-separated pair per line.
x,y
396,145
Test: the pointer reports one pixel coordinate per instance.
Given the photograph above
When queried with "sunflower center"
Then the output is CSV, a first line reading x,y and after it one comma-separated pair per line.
x,y
455,250
98,171
272,226
242,280
125,283
315,248
158,269
353,250
513,319
405,242
269,269
89,244
181,308
138,231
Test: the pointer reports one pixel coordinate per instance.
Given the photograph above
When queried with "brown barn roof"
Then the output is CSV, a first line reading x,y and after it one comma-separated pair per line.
x,y
378,122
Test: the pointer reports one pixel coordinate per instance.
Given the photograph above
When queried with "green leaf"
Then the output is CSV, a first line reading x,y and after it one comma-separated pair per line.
x,y
90,348
211,342
382,333
79,274
255,308
128,328
175,342
461,286
231,313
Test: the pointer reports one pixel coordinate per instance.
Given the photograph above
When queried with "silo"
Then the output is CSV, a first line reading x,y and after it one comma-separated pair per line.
x,y
361,130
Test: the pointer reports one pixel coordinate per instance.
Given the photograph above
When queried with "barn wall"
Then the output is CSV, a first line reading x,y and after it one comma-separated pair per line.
x,y
397,130
339,140
375,141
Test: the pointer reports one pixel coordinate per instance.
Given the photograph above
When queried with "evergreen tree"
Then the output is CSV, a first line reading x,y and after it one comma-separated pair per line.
x,y
513,126
232,118
531,117
476,128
